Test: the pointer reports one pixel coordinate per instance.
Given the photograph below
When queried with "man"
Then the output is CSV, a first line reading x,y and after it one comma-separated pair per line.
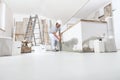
x,y
54,37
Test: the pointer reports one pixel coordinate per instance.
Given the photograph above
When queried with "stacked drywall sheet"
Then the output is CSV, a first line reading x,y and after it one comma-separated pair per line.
x,y
21,29
74,37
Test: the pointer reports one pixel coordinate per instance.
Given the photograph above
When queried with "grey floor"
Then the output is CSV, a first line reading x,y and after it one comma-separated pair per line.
x,y
42,65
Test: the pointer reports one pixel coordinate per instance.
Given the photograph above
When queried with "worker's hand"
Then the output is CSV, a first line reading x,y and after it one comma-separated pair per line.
x,y
59,38
61,34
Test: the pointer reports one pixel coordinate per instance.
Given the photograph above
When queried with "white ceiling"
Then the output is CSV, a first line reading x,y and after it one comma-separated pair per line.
x,y
56,9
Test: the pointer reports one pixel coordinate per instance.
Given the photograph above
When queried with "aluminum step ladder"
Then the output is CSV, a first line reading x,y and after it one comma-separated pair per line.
x,y
33,29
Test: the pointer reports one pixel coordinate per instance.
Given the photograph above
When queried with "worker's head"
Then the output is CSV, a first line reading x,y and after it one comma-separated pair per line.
x,y
58,24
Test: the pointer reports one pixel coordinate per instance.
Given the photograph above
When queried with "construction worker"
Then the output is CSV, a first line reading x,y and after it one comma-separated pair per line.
x,y
54,37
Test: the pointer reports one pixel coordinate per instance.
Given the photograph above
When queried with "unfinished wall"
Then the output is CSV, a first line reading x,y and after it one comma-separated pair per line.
x,y
72,39
75,36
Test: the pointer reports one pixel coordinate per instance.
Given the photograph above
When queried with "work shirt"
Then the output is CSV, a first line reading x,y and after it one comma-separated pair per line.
x,y
54,29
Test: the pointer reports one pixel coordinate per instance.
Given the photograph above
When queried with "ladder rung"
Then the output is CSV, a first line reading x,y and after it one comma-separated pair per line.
x,y
36,33
33,17
30,22
30,26
30,29
36,28
37,38
28,35
29,32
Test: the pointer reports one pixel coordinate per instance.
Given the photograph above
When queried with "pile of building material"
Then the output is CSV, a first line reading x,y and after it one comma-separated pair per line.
x,y
26,47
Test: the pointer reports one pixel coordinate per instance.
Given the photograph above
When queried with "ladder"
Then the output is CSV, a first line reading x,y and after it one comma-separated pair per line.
x,y
33,29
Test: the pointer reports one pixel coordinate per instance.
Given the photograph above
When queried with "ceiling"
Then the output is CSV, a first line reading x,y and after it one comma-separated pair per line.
x,y
56,9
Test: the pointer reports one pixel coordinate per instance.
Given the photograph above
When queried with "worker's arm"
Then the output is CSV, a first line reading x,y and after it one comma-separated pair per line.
x,y
58,37
61,33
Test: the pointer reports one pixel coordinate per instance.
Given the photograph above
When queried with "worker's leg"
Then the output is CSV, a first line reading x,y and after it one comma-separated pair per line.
x,y
56,44
53,41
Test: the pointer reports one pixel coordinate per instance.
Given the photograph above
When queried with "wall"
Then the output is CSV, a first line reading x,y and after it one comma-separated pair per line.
x,y
111,17
75,36
72,39
102,12
93,29
6,31
8,25
2,16
116,21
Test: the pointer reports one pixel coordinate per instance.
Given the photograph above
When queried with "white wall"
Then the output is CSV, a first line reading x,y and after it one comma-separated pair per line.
x,y
116,21
84,30
93,29
7,22
113,30
6,25
20,17
72,39
2,16
95,14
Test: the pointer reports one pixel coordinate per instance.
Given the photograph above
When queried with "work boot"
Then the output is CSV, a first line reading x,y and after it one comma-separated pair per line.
x,y
55,50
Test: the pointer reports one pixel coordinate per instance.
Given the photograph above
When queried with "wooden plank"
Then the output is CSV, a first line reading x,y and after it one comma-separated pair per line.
x,y
93,21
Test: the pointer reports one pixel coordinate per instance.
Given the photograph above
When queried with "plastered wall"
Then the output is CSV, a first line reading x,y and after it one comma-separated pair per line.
x,y
74,37
8,22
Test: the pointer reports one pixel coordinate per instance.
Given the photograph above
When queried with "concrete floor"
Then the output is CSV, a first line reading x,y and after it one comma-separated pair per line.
x,y
41,65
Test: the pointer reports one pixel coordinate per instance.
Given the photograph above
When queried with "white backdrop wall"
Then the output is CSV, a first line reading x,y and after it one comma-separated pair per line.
x,y
6,20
